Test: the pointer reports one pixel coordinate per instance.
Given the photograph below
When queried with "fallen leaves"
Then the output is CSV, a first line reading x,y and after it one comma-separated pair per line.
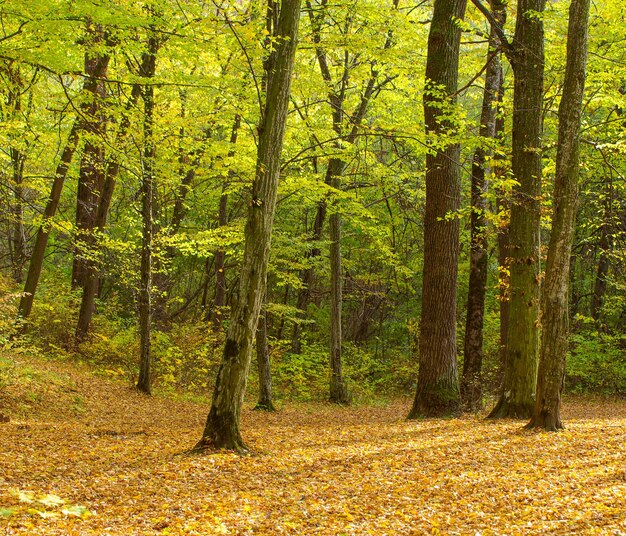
x,y
315,469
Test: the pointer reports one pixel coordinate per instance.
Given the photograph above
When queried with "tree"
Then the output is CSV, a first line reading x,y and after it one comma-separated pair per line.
x,y
222,425
90,87
555,302
437,390
346,126
526,54
471,382
91,176
147,216
265,402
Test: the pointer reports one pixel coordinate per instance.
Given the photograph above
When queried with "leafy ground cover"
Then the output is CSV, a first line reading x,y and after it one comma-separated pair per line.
x,y
83,455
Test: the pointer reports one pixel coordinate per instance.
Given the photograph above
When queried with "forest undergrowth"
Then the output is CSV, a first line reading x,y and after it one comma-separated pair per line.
x,y
84,455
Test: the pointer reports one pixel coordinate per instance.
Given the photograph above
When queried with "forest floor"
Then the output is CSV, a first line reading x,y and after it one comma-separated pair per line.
x,y
84,455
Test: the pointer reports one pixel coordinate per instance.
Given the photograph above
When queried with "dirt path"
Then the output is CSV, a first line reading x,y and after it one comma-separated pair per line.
x,y
114,457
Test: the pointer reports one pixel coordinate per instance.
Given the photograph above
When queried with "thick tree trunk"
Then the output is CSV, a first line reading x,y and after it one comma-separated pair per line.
x,y
520,371
222,426
147,218
471,381
555,317
41,240
265,402
437,392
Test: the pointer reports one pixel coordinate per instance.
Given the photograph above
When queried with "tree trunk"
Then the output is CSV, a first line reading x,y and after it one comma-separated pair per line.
x,y
604,262
219,300
502,205
41,241
222,425
306,276
471,382
555,312
265,402
338,390
92,281
17,236
91,176
520,370
147,218
437,392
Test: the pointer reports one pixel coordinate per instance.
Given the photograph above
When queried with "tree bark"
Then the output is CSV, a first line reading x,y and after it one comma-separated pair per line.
x,y
437,392
41,240
555,310
147,218
520,370
265,402
306,276
338,392
604,262
91,175
222,425
219,300
92,281
471,382
17,235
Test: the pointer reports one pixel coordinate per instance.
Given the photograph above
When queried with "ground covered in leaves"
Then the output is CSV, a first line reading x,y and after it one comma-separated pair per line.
x,y
81,455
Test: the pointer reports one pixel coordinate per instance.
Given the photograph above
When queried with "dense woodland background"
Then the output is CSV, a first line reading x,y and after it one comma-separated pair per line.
x,y
157,104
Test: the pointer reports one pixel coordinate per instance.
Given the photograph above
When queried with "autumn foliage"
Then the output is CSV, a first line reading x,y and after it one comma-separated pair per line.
x,y
81,455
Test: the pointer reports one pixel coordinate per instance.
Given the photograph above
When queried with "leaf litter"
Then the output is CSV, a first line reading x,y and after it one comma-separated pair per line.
x,y
118,467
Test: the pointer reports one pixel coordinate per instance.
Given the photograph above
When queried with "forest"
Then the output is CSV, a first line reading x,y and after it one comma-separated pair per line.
x,y
318,230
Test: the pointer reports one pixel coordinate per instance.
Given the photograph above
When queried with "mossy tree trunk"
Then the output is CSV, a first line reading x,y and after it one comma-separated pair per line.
x,y
222,425
437,392
520,369
555,317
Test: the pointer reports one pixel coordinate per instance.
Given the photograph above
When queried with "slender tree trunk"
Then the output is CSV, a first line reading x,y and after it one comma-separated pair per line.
x,y
17,236
555,311
92,280
147,217
437,392
91,176
306,276
520,371
604,262
338,390
471,382
336,166
18,240
222,426
219,300
265,402
41,240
